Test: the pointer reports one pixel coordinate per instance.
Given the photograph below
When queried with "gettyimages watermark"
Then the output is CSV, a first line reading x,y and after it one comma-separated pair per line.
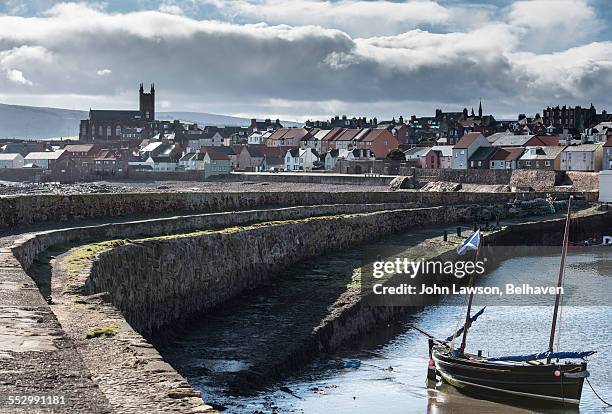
x,y
502,275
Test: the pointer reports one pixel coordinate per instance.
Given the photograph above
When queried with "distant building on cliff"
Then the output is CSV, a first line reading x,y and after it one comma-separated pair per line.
x,y
116,125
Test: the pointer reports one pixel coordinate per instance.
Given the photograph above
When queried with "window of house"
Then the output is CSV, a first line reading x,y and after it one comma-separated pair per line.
x,y
480,163
462,152
528,163
118,130
108,131
547,163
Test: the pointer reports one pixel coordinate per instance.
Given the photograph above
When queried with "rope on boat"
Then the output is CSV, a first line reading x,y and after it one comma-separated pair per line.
x,y
597,395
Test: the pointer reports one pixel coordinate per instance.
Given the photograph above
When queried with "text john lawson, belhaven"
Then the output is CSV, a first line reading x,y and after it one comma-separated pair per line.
x,y
423,289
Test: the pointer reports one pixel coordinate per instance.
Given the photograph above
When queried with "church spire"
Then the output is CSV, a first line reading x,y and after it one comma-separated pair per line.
x,y
480,108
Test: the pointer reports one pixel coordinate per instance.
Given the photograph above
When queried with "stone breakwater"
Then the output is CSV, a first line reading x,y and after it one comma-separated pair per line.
x,y
162,281
30,245
32,209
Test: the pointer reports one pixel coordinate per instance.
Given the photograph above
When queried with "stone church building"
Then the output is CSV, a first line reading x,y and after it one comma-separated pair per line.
x,y
113,125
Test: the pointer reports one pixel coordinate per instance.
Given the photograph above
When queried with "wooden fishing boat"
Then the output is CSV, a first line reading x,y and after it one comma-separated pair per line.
x,y
555,382
540,376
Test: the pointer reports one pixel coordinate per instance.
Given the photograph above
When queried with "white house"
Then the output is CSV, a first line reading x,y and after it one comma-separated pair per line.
x,y
599,133
297,159
44,159
259,137
467,145
192,161
585,157
11,161
414,154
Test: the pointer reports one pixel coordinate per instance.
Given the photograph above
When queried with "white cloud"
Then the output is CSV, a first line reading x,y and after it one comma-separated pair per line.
x,y
554,24
225,68
16,76
170,9
104,72
361,18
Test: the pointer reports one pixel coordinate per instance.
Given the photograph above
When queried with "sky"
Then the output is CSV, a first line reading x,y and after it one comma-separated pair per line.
x,y
308,59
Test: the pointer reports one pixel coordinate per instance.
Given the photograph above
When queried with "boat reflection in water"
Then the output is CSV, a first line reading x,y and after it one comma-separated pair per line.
x,y
443,398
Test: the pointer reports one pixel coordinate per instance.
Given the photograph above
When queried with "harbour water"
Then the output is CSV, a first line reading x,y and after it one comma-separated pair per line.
x,y
392,375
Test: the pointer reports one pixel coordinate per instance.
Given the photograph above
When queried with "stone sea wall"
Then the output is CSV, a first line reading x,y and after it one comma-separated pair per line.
x,y
31,209
29,246
162,281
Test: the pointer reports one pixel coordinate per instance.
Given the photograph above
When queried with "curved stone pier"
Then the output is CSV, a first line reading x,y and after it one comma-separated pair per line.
x,y
79,345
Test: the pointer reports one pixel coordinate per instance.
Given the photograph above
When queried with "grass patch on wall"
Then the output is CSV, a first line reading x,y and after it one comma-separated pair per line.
x,y
102,331
79,258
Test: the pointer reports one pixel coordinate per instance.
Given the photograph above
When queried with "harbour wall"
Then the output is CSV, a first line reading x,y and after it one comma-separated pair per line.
x,y
27,247
163,281
16,211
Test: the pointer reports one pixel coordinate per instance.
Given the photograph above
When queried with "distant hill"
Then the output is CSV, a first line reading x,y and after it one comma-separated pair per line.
x,y
32,122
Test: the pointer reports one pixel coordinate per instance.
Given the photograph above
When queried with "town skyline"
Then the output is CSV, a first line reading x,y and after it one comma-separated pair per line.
x,y
249,59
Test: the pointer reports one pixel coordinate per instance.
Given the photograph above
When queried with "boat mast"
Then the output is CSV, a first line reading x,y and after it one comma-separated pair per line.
x,y
553,326
468,321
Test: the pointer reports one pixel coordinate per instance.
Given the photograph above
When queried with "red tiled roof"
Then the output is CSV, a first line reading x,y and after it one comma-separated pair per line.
x,y
79,147
289,133
507,154
467,140
549,140
348,134
331,135
373,134
217,153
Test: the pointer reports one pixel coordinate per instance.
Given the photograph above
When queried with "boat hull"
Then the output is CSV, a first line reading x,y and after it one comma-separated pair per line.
x,y
559,383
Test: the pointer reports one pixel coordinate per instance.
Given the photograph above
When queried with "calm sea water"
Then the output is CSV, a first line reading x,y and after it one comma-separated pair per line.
x,y
392,377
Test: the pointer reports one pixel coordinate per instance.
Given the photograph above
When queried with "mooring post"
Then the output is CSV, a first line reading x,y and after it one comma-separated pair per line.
x,y
458,231
445,235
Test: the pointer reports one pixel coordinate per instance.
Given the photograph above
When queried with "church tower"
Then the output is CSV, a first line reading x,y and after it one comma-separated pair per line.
x,y
147,103
480,109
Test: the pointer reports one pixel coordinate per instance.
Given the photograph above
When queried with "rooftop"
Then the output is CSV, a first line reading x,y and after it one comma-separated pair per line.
x,y
507,154
467,140
46,155
9,157
512,140
542,153
483,154
583,148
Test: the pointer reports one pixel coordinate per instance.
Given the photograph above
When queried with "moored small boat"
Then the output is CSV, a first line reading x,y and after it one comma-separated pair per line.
x,y
541,376
503,377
